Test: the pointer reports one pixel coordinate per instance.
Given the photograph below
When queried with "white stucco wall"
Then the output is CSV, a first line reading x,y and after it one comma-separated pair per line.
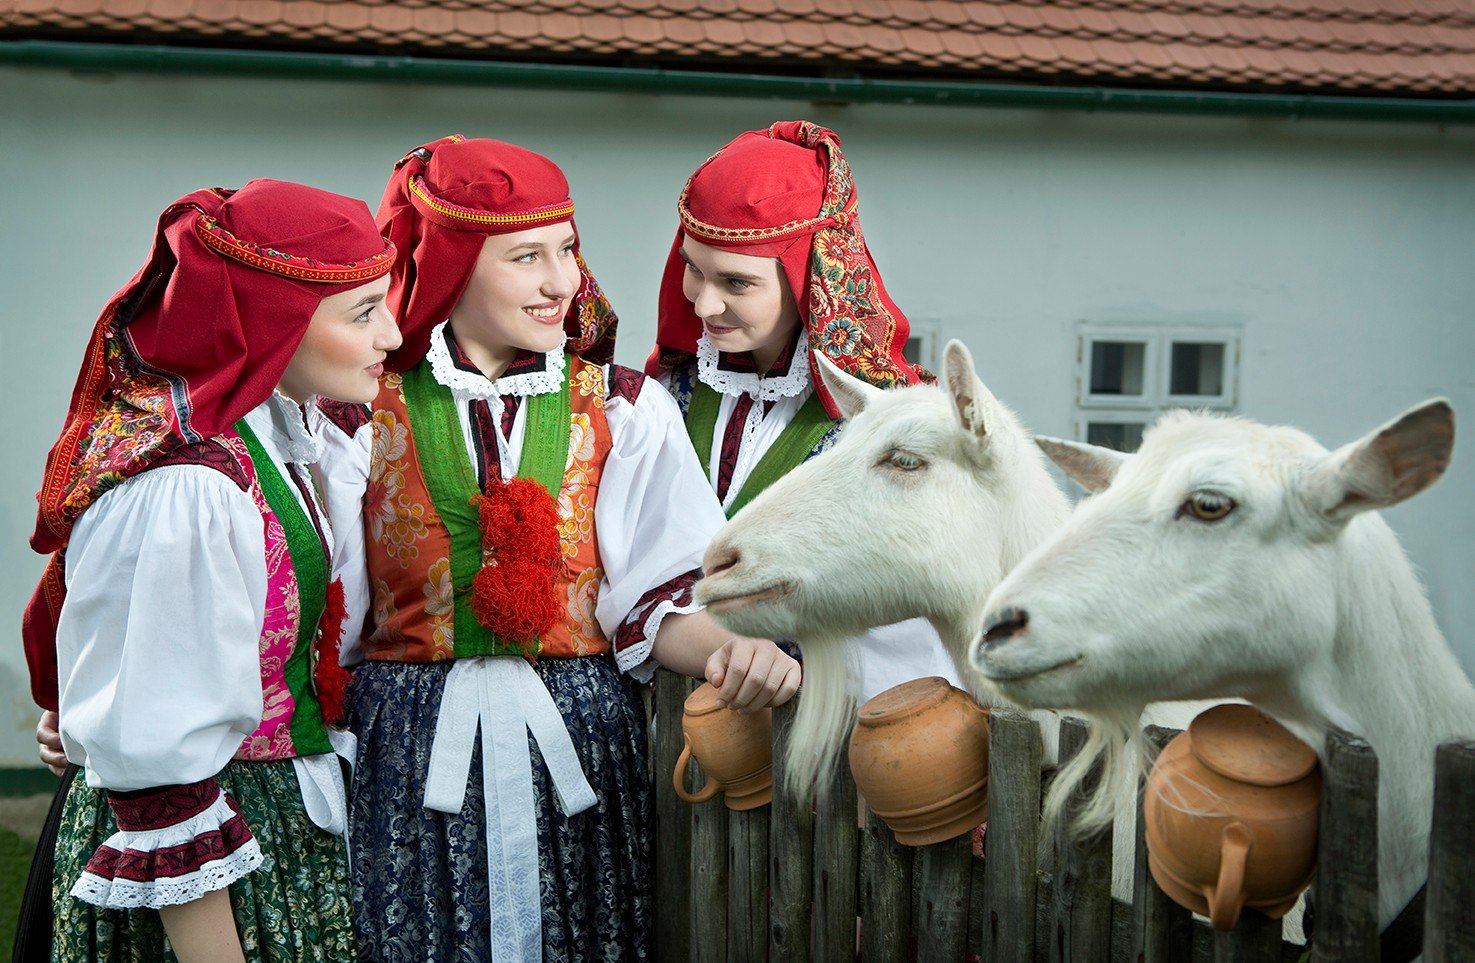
x,y
1344,250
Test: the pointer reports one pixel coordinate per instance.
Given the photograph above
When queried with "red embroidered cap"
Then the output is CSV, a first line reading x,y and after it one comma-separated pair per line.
x,y
442,202
786,192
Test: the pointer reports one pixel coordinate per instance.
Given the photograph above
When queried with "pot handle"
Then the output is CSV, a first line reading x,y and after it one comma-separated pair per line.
x,y
678,778
1227,898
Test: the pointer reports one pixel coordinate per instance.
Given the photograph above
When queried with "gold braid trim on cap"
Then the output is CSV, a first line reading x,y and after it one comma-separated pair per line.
x,y
701,229
550,213
269,259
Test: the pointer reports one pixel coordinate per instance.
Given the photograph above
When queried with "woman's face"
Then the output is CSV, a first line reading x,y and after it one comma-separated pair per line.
x,y
342,354
520,290
745,302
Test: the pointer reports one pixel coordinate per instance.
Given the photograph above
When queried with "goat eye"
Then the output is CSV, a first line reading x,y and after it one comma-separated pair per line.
x,y
1207,506
904,460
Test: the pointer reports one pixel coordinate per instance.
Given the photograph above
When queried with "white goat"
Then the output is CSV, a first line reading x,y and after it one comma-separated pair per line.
x,y
1228,558
930,496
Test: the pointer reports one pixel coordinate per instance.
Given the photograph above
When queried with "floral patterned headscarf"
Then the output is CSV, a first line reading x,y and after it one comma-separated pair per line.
x,y
786,193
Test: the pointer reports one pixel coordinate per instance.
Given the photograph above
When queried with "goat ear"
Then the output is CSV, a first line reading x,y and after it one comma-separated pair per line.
x,y
851,394
1092,466
972,401
1386,466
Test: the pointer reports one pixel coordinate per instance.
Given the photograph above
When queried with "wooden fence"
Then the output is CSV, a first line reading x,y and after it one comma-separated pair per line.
x,y
787,882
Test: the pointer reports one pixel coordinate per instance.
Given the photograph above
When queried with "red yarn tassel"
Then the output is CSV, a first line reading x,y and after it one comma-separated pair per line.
x,y
328,677
515,593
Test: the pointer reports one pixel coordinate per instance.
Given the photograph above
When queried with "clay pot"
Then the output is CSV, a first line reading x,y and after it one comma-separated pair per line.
x,y
1231,811
919,755
734,749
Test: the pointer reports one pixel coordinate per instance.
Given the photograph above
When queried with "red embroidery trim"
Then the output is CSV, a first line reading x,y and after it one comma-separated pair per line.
x,y
269,259
164,806
172,861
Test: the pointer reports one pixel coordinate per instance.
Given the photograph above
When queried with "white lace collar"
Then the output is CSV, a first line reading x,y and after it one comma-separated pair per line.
x,y
279,422
543,372
769,387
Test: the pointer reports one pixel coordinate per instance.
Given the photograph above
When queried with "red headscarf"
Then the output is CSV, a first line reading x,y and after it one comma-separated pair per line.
x,y
199,337
442,202
786,193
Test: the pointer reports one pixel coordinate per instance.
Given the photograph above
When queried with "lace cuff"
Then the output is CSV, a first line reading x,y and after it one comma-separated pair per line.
x,y
174,844
636,636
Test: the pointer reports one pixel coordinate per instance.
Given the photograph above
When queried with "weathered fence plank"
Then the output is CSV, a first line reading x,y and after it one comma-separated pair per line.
x,y
1011,845
790,854
673,823
1347,854
1164,929
886,894
1254,939
943,873
836,854
747,894
1449,922
977,914
1081,932
709,880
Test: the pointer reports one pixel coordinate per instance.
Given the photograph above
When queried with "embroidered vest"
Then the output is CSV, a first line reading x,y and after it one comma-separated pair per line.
x,y
291,719
415,596
810,432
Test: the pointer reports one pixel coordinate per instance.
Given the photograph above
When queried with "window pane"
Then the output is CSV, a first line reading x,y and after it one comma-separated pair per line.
x,y
1117,367
912,350
1121,435
1197,368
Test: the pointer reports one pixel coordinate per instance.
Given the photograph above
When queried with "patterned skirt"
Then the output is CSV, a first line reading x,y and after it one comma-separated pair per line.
x,y
419,876
294,907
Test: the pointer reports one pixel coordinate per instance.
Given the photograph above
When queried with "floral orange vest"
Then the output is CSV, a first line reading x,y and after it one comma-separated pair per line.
x,y
418,603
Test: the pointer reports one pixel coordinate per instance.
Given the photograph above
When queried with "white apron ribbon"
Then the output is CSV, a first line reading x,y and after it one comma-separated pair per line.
x,y
507,699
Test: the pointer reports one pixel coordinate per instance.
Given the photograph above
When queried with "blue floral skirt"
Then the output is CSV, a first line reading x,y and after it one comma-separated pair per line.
x,y
419,876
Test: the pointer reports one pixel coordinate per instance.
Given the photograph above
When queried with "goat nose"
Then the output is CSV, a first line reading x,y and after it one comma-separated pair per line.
x,y
1010,623
720,560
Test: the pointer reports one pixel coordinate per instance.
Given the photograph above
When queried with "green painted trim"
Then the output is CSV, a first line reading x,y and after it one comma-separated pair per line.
x,y
27,782
347,66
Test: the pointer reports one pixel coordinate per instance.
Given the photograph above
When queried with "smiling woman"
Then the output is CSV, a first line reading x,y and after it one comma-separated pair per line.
x,y
769,271
517,491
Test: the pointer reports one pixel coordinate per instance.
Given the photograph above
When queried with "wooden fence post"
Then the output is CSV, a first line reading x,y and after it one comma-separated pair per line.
x,y
943,872
1449,922
708,920
886,894
1164,930
747,895
1011,845
1082,883
673,823
1254,939
790,853
1347,853
836,854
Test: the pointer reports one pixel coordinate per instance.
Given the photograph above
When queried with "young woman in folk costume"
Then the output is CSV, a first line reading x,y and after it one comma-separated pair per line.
x,y
769,267
188,623
534,520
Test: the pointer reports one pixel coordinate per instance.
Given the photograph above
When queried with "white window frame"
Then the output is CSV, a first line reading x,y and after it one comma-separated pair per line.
x,y
1229,337
1157,372
928,331
1149,337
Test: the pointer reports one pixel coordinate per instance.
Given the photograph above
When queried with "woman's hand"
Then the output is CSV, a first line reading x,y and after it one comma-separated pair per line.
x,y
750,674
49,736
747,673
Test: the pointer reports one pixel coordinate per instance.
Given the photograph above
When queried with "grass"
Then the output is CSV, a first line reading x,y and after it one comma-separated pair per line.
x,y
15,863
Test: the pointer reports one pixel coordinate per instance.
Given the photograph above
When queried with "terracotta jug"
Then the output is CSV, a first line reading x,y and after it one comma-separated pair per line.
x,y
734,749
919,755
1231,811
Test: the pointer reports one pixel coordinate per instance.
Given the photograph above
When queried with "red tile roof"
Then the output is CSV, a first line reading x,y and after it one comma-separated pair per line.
x,y
1399,47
